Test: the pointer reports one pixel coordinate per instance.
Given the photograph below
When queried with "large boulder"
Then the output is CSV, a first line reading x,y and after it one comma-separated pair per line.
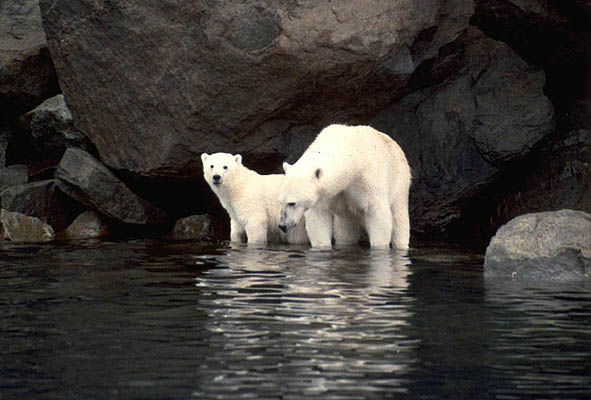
x,y
154,86
547,246
85,179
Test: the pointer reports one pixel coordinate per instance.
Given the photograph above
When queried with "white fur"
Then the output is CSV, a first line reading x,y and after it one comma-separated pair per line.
x,y
353,177
250,199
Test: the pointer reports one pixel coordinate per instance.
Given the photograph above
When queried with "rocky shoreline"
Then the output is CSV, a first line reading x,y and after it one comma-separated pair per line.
x,y
107,106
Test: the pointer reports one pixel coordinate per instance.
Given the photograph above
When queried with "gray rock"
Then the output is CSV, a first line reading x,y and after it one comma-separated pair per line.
x,y
458,135
17,227
87,225
84,178
542,246
27,75
196,227
42,200
207,76
13,175
51,127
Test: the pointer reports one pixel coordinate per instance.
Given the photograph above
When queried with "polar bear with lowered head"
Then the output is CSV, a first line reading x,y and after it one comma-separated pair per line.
x,y
350,177
250,199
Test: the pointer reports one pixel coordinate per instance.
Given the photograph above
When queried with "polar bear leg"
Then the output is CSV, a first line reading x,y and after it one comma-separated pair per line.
x,y
256,231
319,227
236,231
378,224
400,218
346,230
400,228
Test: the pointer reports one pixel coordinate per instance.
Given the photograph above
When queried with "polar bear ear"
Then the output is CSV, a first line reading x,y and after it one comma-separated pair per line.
x,y
286,166
238,159
318,173
204,157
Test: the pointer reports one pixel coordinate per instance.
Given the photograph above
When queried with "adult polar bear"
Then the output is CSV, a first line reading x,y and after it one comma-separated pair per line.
x,y
250,199
353,176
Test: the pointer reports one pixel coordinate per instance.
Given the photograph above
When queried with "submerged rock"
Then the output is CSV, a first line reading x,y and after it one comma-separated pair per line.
x,y
87,225
547,246
84,178
196,227
17,227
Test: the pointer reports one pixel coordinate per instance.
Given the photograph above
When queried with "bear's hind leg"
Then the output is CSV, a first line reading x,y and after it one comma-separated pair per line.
x,y
346,230
400,229
378,224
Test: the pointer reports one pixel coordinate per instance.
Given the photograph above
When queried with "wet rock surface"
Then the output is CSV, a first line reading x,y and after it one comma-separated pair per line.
x,y
542,246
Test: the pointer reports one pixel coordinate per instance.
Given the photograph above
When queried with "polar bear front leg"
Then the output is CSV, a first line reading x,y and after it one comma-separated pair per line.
x,y
319,227
256,231
378,224
236,231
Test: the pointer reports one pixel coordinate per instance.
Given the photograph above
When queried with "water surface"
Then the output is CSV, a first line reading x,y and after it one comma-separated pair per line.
x,y
152,319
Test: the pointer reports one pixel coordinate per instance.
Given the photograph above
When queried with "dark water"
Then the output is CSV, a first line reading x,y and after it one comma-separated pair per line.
x,y
161,320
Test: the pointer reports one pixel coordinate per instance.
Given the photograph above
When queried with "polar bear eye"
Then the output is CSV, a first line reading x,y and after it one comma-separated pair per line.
x,y
225,167
211,166
291,204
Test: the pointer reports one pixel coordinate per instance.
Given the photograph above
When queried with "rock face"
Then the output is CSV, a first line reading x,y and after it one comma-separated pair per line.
x,y
488,98
239,75
459,134
547,246
81,176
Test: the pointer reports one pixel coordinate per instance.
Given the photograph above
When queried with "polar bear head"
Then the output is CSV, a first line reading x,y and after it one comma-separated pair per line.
x,y
300,192
220,168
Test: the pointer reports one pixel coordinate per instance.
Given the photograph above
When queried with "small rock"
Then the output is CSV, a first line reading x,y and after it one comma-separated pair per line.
x,y
542,246
17,227
87,225
197,227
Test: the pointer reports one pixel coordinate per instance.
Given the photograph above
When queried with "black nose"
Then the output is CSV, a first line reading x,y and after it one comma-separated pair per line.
x,y
216,178
283,228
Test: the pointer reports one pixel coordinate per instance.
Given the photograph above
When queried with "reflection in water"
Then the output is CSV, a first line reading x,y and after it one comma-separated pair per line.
x,y
311,321
170,320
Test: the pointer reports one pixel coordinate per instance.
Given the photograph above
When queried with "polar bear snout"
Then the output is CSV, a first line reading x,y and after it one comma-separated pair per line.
x,y
283,228
217,179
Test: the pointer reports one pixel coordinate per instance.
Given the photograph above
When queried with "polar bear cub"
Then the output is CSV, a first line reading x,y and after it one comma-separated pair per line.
x,y
250,199
350,178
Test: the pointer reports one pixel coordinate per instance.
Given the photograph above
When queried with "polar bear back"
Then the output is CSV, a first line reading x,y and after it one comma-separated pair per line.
x,y
363,153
